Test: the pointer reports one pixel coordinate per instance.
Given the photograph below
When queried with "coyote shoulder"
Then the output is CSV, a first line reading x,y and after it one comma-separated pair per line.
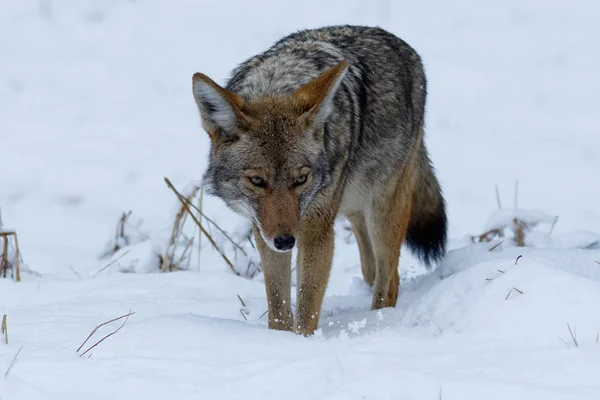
x,y
326,122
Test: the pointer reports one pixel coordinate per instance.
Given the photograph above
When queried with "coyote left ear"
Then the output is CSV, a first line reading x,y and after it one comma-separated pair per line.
x,y
218,107
315,98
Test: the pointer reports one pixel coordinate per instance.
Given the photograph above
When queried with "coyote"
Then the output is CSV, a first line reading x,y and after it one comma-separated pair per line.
x,y
326,122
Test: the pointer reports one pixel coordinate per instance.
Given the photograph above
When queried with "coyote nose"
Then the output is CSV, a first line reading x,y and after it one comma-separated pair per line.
x,y
284,242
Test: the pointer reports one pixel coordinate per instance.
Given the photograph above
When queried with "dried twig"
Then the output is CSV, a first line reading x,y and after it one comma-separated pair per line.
x,y
5,265
495,246
200,206
101,325
592,245
242,312
511,290
488,236
562,340
4,328
498,198
573,336
208,236
107,336
597,262
518,258
120,231
241,301
519,229
167,261
13,361
75,272
240,248
110,264
553,224
263,314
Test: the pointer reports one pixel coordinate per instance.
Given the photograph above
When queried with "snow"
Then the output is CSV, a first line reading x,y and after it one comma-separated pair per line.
x,y
96,108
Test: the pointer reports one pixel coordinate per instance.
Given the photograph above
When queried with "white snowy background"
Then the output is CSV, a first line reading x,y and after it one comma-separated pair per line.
x,y
96,108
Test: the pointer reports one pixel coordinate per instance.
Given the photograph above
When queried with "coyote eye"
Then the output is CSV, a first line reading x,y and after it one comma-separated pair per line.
x,y
257,181
301,180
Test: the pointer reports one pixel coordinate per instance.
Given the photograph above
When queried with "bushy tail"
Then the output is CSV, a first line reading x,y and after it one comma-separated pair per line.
x,y
427,229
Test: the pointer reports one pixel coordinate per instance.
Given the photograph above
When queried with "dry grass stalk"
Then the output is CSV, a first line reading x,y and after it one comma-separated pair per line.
x,y
186,205
235,244
519,229
498,198
518,258
5,264
573,336
511,290
13,361
110,264
488,236
200,205
120,232
126,316
168,262
4,329
495,246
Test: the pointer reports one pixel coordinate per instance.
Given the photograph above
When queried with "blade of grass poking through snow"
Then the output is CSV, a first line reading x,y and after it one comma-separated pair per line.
x,y
168,259
200,206
110,264
4,328
13,361
496,245
553,225
498,198
573,336
208,236
518,258
126,316
101,325
240,248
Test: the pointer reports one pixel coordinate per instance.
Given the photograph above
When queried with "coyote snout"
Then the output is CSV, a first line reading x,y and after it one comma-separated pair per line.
x,y
278,216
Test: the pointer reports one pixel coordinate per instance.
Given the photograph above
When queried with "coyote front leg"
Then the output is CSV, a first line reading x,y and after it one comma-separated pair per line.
x,y
277,270
315,255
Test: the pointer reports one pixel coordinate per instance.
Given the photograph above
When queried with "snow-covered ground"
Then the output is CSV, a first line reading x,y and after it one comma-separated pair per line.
x,y
96,108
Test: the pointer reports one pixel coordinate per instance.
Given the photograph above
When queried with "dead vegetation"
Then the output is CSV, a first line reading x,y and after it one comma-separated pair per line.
x,y
126,317
511,224
10,254
126,234
4,329
204,225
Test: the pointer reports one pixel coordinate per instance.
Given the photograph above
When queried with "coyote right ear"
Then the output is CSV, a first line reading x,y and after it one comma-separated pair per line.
x,y
218,107
315,98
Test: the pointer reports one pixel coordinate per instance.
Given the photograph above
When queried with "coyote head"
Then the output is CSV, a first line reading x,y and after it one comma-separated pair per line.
x,y
267,158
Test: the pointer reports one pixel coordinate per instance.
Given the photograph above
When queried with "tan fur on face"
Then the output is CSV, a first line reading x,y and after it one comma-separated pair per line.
x,y
279,213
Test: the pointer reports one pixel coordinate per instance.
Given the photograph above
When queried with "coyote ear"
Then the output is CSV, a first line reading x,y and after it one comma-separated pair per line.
x,y
218,107
315,98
